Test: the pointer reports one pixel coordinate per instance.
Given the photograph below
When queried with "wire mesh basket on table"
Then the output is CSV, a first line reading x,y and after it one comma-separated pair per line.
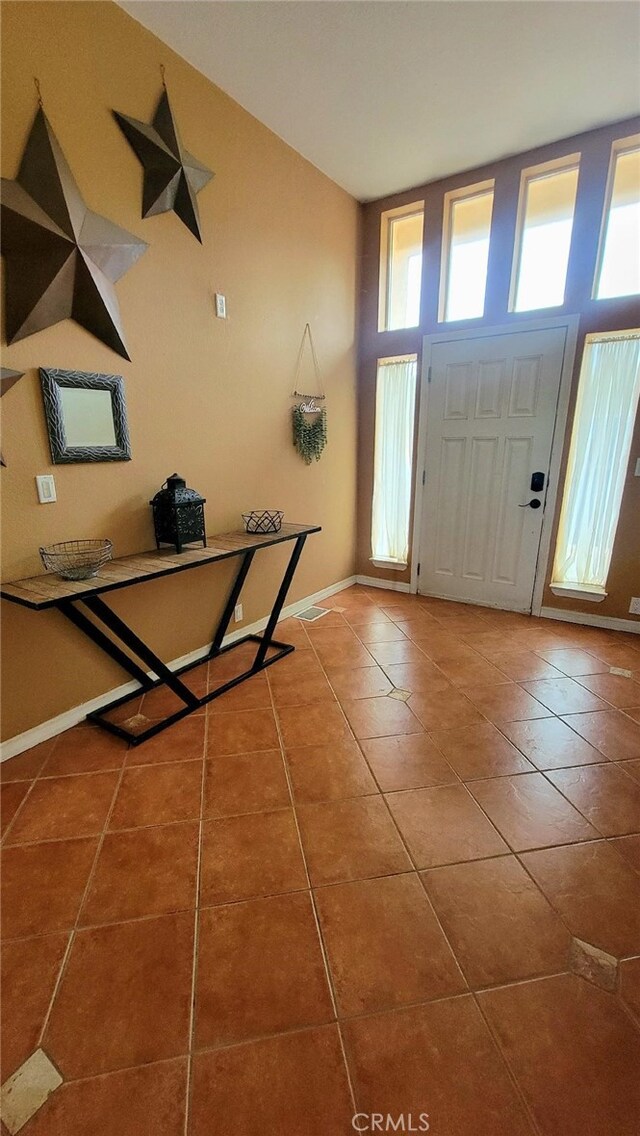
x,y
263,520
76,559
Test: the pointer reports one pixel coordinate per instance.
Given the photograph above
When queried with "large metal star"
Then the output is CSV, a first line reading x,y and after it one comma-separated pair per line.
x,y
172,176
62,260
8,379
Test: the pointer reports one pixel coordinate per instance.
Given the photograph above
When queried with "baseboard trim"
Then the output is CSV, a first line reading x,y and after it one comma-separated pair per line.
x,y
388,585
585,617
54,726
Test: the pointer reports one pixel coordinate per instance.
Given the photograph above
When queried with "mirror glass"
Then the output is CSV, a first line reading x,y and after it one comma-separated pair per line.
x,y
87,417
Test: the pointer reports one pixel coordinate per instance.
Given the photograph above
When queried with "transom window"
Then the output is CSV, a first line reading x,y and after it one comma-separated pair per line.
x,y
400,267
618,271
545,223
465,251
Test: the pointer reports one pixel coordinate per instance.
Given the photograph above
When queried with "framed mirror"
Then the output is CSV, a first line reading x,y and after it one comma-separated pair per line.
x,y
86,416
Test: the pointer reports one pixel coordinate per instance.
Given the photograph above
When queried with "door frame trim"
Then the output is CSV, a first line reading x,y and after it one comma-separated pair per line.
x,y
570,326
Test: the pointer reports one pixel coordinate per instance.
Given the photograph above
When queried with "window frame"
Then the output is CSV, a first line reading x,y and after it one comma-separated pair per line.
x,y
464,193
564,164
378,560
387,220
618,147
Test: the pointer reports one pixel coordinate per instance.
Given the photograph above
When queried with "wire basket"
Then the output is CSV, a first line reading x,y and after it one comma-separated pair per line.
x,y
263,520
76,559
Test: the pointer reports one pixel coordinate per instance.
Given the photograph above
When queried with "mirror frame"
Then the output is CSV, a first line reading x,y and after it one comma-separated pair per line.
x,y
53,380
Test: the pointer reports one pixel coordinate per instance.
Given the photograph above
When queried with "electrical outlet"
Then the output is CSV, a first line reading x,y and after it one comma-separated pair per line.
x,y
46,489
634,606
221,306
238,614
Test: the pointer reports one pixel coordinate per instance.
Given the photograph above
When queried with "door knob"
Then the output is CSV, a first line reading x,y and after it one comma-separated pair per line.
x,y
535,504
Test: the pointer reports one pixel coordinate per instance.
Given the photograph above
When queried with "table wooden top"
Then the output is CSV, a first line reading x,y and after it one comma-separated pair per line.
x,y
49,590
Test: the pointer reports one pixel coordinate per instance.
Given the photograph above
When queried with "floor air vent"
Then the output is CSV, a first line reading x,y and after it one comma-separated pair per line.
x,y
312,613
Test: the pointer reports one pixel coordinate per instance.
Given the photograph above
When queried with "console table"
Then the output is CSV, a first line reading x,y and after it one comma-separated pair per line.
x,y
74,598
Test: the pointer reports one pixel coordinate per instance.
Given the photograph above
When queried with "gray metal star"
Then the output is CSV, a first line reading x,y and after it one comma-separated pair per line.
x,y
8,379
62,259
172,176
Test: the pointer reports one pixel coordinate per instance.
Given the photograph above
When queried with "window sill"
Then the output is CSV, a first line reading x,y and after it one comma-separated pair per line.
x,y
590,592
386,562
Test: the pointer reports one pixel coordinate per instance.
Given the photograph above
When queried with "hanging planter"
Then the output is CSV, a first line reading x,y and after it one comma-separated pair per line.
x,y
309,421
309,431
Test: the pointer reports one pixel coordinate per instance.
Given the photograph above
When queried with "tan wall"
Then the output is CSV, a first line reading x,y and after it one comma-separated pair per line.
x,y
206,397
594,316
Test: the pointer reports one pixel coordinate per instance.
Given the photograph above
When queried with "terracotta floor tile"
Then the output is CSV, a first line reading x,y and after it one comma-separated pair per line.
x,y
137,1000
25,766
63,807
363,682
506,703
518,666
346,653
633,713
480,751
530,813
564,696
574,1053
410,761
182,742
329,772
607,796
322,636
615,654
245,783
417,627
304,691
299,665
231,663
323,724
417,677
550,744
380,718
366,618
384,945
610,731
253,694
595,891
402,652
618,690
384,632
437,1060
197,679
161,701
260,970
308,1091
499,925
158,794
630,984
441,645
148,1101
12,794
149,871
629,847
30,968
444,710
85,749
632,768
294,631
573,662
241,731
444,825
350,840
491,643
247,856
43,885
471,672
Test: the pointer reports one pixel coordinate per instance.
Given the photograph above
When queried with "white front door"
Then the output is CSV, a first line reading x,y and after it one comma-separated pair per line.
x,y
490,417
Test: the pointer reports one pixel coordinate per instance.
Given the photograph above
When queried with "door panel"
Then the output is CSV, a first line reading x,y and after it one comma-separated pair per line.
x,y
491,410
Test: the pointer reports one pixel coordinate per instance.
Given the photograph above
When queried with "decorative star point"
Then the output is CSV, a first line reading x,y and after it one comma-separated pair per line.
x,y
8,379
172,176
62,259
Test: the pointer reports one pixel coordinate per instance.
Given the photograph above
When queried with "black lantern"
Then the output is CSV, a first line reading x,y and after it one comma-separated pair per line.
x,y
178,514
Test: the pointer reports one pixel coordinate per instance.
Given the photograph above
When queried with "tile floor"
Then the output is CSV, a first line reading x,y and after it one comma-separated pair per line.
x,y
316,900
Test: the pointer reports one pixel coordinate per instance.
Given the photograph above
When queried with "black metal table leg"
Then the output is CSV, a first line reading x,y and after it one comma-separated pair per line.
x,y
79,619
279,602
234,595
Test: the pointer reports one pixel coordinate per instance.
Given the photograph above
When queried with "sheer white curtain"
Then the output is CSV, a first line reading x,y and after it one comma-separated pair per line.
x,y
603,425
395,409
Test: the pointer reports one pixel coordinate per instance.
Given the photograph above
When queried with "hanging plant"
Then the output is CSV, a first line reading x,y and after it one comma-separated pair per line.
x,y
309,433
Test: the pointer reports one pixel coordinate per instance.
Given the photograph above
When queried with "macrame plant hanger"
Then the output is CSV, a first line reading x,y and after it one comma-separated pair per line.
x,y
309,421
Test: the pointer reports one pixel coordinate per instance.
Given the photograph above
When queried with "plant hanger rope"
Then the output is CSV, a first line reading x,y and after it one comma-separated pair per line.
x,y
309,421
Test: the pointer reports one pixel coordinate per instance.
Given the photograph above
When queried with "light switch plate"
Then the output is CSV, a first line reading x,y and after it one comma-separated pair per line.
x,y
637,472
221,306
46,489
238,614
634,606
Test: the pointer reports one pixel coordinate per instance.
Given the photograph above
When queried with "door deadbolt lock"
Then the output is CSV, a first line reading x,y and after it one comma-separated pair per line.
x,y
537,482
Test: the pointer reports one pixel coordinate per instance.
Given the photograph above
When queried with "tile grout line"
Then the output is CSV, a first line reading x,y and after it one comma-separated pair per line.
x,y
196,931
321,942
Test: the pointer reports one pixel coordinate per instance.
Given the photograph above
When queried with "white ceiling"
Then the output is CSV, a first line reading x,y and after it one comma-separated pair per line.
x,y
382,96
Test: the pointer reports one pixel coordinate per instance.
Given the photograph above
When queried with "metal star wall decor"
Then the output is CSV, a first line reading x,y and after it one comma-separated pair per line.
x,y
8,379
172,176
62,259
